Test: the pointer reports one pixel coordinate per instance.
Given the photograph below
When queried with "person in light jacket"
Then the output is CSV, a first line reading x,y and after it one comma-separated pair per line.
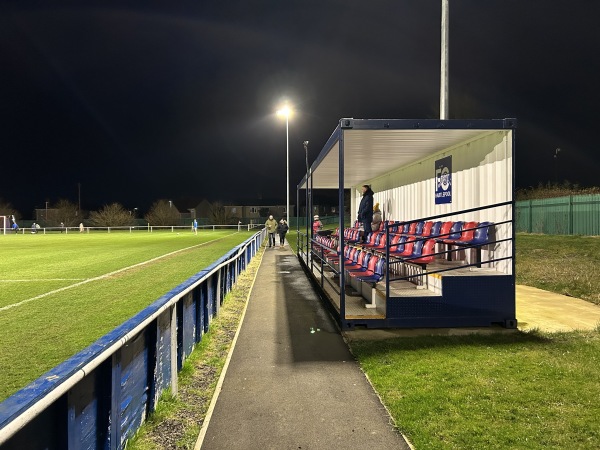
x,y
271,226
376,223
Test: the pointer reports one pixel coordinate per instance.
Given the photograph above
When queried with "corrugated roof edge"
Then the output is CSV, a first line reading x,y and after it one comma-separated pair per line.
x,y
407,124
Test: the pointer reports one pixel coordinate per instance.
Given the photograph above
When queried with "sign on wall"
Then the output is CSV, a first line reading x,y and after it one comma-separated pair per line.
x,y
443,180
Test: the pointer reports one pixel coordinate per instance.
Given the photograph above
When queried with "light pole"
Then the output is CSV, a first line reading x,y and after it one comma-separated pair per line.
x,y
556,152
444,107
286,112
306,193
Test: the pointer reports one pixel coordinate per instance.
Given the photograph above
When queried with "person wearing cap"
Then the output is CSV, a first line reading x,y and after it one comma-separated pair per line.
x,y
317,225
365,211
376,223
271,226
282,229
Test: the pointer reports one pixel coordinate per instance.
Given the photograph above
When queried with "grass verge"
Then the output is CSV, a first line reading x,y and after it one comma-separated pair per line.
x,y
177,421
517,391
563,264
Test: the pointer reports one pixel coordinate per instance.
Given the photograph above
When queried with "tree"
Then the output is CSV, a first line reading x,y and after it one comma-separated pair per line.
x,y
113,215
6,209
65,212
163,213
219,215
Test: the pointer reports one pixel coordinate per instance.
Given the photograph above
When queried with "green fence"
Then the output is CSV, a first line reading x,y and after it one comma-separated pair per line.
x,y
575,214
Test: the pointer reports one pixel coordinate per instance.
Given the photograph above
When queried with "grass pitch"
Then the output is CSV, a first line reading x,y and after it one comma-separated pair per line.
x,y
59,293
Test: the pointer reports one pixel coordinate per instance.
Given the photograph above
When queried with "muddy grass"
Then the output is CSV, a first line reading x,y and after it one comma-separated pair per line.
x,y
177,421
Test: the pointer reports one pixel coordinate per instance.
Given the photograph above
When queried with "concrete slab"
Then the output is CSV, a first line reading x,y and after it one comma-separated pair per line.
x,y
552,312
292,382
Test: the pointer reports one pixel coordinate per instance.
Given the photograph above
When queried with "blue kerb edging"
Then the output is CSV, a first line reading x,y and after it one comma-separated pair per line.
x,y
19,402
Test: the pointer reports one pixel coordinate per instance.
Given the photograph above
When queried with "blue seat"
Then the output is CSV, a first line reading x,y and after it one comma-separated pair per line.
x,y
481,237
373,275
435,229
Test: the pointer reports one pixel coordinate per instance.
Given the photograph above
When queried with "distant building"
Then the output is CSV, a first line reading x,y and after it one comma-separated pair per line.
x,y
245,212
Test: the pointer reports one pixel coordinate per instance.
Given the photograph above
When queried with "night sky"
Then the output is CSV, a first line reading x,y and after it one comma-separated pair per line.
x,y
139,100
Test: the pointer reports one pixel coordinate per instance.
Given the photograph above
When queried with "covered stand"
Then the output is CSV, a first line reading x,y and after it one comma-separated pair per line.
x,y
443,256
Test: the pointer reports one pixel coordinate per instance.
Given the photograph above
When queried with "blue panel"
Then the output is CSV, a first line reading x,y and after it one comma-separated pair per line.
x,y
180,352
89,407
229,280
466,301
212,296
162,372
198,300
189,324
47,431
134,386
205,301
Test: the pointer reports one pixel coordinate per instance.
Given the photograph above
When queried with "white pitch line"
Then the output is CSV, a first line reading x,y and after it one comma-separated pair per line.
x,y
35,280
106,275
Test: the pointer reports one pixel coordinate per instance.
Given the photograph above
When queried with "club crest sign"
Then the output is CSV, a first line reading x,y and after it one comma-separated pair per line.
x,y
443,180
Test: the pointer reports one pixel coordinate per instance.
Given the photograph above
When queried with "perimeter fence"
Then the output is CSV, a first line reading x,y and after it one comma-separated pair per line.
x,y
570,215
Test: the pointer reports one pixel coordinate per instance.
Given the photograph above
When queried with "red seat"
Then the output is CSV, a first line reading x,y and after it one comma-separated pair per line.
x,y
376,241
468,232
408,248
366,257
369,270
412,229
352,256
427,228
358,263
371,240
382,243
445,230
377,274
427,254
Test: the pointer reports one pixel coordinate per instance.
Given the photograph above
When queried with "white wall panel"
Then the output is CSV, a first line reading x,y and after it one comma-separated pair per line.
x,y
481,175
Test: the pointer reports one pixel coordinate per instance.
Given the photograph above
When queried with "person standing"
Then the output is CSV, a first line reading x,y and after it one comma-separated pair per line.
x,y
317,224
195,226
376,223
81,227
271,226
282,229
365,211
62,227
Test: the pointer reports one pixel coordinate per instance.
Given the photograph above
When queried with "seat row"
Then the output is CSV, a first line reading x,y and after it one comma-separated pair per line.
x,y
451,233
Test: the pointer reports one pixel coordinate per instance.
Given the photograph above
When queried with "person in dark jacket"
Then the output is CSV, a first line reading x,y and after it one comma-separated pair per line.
x,y
282,229
365,211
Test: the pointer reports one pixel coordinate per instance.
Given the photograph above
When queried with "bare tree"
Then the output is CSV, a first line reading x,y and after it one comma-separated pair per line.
x,y
219,215
163,213
113,215
6,209
64,212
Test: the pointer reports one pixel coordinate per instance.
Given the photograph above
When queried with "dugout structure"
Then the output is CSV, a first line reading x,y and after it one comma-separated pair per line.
x,y
444,255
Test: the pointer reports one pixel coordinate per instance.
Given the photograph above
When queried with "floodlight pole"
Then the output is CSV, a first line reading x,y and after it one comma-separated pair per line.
x,y
287,143
444,106
306,192
286,111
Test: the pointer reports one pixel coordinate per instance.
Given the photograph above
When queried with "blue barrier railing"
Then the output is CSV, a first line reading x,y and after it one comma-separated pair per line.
x,y
98,398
